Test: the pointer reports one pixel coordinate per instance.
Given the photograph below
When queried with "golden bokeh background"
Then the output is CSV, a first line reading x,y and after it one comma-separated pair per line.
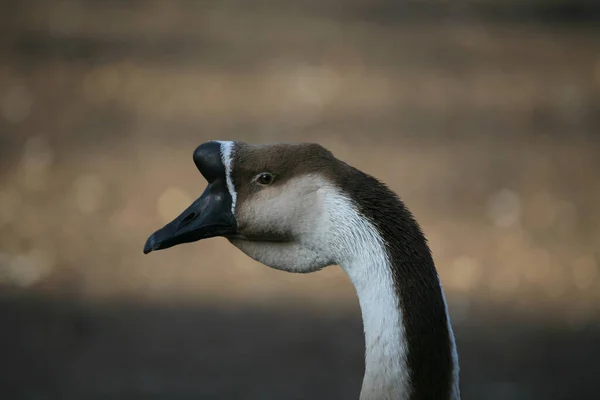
x,y
483,116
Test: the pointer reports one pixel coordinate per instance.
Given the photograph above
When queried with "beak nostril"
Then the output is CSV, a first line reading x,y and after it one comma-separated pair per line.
x,y
188,218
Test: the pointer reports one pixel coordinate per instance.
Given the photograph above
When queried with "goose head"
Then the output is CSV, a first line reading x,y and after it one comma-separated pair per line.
x,y
297,208
267,200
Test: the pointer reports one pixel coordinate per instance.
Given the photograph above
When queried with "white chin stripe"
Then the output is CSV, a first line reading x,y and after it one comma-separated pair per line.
x,y
227,159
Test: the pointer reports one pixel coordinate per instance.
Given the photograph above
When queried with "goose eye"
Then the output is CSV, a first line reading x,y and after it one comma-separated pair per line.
x,y
264,178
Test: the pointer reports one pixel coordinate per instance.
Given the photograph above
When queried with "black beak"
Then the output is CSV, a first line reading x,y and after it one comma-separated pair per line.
x,y
209,216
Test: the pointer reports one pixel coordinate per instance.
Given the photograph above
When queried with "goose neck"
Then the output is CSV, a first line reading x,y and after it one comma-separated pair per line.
x,y
409,345
386,374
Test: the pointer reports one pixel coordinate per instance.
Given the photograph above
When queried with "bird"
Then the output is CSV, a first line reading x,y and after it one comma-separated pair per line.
x,y
297,208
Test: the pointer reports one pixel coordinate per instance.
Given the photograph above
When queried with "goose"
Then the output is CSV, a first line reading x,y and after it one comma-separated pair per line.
x,y
297,208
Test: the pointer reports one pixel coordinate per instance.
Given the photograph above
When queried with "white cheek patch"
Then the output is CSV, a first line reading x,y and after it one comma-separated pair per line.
x,y
227,159
292,208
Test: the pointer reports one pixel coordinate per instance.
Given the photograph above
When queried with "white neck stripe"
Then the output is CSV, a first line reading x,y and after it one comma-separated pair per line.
x,y
363,256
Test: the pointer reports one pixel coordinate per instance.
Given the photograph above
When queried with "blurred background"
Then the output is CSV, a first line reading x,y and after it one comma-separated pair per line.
x,y
483,115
